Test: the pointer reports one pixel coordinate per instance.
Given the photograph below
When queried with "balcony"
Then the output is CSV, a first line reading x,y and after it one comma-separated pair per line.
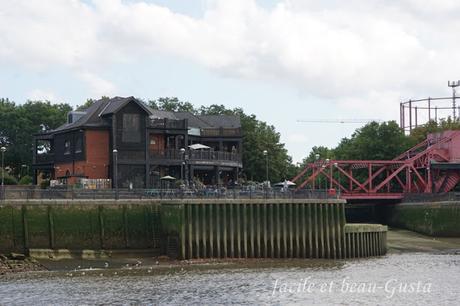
x,y
47,158
221,132
167,124
201,157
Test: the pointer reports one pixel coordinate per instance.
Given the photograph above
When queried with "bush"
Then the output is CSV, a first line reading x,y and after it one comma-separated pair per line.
x,y
25,180
44,184
9,180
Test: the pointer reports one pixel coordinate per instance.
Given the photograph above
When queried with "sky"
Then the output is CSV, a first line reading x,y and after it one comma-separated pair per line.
x,y
283,61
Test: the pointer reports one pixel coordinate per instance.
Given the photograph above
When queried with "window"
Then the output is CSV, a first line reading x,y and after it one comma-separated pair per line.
x,y
79,144
131,128
67,147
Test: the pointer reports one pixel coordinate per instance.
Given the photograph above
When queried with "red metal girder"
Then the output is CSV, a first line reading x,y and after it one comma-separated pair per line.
x,y
353,179
372,196
333,180
388,179
308,167
419,176
310,178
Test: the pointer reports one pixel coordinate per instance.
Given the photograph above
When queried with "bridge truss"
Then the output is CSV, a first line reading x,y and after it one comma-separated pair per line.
x,y
429,167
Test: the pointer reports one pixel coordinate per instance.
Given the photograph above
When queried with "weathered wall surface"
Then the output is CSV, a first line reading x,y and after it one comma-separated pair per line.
x,y
78,225
285,228
435,219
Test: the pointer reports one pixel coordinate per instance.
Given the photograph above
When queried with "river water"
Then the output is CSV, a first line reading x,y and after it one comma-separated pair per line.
x,y
395,279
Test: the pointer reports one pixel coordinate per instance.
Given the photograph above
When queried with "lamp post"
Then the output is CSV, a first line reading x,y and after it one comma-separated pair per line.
x,y
317,156
115,172
182,154
26,167
3,149
336,165
266,166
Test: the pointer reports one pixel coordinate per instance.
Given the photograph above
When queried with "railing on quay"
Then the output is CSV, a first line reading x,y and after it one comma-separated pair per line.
x,y
431,197
209,193
193,155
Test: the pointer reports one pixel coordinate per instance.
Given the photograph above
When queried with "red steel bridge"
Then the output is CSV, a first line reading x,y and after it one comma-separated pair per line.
x,y
432,166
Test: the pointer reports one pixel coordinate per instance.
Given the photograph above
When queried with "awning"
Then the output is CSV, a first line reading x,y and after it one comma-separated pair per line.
x,y
199,146
288,183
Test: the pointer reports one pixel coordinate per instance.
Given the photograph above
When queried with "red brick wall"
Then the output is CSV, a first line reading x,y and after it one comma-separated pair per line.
x,y
97,158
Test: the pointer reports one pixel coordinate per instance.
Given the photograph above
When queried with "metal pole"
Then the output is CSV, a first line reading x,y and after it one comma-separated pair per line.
x,y
429,109
265,152
115,171
3,149
453,85
410,116
266,168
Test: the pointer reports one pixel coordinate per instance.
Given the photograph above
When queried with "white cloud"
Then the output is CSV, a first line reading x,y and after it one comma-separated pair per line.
x,y
43,95
297,138
328,49
98,86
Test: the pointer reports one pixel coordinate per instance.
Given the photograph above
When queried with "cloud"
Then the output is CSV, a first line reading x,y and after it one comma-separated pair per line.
x,y
98,86
44,95
363,51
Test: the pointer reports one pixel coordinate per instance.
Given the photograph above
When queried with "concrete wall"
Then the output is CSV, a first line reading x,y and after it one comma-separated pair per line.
x,y
284,228
78,225
435,219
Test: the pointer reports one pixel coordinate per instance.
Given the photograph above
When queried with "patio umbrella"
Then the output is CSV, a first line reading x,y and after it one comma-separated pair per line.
x,y
199,146
288,183
168,178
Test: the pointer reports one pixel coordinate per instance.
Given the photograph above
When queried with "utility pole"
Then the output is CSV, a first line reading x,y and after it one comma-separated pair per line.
x,y
453,85
115,171
3,149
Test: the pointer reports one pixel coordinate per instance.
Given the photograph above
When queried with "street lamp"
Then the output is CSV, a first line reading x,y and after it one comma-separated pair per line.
x,y
266,166
3,149
115,171
336,165
182,154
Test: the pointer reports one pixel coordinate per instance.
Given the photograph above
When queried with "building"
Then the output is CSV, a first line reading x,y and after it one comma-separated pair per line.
x,y
143,143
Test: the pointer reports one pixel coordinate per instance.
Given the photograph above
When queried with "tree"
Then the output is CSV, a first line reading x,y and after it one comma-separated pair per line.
x,y
18,124
172,104
257,137
374,141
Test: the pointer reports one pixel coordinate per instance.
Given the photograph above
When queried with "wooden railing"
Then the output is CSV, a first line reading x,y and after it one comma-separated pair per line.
x,y
47,158
194,155
167,124
221,132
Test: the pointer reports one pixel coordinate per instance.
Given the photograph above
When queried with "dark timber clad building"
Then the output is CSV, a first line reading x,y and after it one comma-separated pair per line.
x,y
149,144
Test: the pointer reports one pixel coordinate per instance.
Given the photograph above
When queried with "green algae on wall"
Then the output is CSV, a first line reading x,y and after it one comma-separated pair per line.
x,y
78,226
435,219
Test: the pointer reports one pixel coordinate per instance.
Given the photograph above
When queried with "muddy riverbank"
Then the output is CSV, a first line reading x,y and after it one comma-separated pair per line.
x,y
399,241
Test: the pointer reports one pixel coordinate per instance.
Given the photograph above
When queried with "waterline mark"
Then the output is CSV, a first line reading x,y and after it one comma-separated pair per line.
x,y
346,285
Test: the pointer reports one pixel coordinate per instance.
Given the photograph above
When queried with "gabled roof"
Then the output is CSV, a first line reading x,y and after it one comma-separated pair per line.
x,y
96,113
193,120
117,103
225,121
91,118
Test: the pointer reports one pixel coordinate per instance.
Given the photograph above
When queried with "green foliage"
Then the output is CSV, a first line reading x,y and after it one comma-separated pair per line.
x,y
45,184
257,137
25,180
18,123
9,179
171,104
373,141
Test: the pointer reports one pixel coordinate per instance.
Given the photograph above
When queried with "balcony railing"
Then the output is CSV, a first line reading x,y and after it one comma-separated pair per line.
x,y
167,124
214,155
47,158
170,154
221,132
204,155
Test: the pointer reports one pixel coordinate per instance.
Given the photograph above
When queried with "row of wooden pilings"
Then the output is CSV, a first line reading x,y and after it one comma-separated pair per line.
x,y
275,229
